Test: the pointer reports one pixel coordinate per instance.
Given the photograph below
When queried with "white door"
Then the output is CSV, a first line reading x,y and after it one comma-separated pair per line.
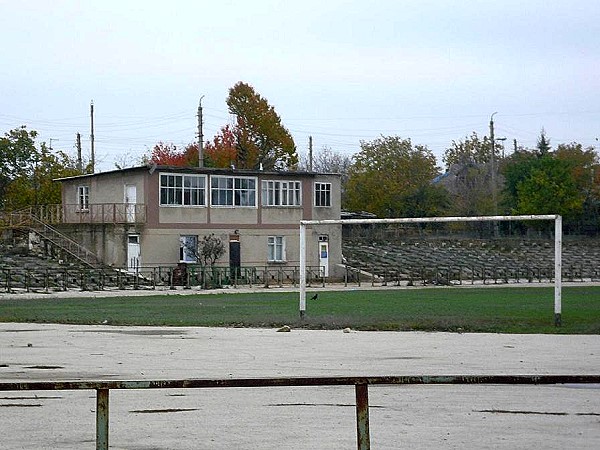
x,y
130,201
133,253
324,258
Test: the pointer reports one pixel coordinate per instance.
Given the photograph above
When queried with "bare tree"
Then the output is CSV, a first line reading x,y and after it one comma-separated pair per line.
x,y
210,249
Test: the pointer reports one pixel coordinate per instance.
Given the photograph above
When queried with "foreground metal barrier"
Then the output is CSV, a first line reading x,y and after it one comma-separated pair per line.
x,y
360,384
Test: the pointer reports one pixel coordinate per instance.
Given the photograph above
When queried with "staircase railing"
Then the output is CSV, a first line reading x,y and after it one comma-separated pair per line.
x,y
25,218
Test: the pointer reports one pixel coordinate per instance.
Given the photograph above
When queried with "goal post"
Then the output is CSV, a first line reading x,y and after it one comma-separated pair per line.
x,y
557,245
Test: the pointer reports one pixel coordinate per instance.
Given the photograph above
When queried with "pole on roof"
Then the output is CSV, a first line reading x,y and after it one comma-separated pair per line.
x,y
200,136
92,150
310,154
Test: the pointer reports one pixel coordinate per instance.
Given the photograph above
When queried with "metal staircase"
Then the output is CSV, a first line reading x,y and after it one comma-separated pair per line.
x,y
26,219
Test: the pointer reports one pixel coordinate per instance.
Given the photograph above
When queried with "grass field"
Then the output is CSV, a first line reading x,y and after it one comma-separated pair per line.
x,y
506,310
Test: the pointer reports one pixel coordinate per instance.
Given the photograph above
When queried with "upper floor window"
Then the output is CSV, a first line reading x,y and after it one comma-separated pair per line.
x,y
83,198
281,193
232,191
322,194
182,190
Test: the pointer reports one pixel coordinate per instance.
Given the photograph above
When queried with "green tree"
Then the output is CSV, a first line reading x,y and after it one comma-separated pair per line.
x,y
543,144
261,139
470,151
549,188
469,175
387,174
28,172
17,157
566,182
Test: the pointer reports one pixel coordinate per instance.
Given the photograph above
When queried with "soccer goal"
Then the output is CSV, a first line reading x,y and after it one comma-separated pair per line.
x,y
424,220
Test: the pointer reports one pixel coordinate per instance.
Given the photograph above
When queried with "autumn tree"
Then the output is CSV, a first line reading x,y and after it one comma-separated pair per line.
x,y
389,174
222,150
256,139
167,154
260,137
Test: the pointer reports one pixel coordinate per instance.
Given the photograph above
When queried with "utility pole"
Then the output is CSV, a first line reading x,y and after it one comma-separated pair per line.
x,y
310,154
79,163
93,155
200,136
492,162
493,174
515,145
51,139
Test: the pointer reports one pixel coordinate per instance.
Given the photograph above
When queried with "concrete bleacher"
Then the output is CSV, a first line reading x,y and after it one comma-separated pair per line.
x,y
451,261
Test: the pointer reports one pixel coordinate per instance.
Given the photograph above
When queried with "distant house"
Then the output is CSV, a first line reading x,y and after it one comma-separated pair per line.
x,y
153,216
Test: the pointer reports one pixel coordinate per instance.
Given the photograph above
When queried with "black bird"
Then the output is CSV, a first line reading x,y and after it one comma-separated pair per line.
x,y
314,297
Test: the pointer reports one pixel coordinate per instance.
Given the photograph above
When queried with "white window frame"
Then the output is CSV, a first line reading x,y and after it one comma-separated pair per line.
x,y
233,192
322,194
276,249
187,190
83,198
184,244
286,193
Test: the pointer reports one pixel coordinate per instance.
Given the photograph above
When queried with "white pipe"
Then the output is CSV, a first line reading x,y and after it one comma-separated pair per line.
x,y
302,269
430,219
557,270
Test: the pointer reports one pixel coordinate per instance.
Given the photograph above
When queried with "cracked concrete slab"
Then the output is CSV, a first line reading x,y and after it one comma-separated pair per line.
x,y
417,417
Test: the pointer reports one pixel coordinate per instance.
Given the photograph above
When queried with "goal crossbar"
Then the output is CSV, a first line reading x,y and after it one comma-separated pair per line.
x,y
557,244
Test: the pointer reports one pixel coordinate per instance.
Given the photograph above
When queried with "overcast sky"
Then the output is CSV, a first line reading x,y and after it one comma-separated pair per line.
x,y
341,71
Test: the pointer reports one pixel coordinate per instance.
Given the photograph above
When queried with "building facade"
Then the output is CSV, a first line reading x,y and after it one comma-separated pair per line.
x,y
154,216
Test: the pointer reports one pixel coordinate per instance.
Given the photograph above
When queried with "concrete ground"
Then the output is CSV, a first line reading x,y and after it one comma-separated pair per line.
x,y
415,417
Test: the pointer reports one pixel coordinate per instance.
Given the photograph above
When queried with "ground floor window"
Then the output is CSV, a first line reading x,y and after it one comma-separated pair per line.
x,y
188,249
276,247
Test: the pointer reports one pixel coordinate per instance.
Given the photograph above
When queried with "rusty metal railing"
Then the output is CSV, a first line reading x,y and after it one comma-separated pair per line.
x,y
361,385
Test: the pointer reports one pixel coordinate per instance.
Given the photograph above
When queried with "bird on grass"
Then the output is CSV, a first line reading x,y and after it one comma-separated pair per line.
x,y
315,297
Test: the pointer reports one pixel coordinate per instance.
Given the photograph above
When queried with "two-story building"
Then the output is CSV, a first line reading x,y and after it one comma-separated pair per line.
x,y
153,216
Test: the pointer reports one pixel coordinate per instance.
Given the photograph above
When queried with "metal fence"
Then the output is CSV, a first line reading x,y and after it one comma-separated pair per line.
x,y
187,276
361,386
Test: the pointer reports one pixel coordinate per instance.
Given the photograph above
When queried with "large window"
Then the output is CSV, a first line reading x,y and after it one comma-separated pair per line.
x,y
232,191
83,198
182,190
276,249
322,194
281,193
188,249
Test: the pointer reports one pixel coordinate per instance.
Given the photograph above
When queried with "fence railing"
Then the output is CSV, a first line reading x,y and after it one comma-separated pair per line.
x,y
98,279
413,275
361,386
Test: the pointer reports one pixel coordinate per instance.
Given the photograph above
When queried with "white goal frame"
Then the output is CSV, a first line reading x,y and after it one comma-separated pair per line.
x,y
557,245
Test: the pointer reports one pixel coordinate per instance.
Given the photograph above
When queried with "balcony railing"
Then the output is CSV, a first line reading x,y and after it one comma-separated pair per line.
x,y
98,213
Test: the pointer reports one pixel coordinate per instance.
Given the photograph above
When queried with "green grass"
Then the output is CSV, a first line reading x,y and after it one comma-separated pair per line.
x,y
505,310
